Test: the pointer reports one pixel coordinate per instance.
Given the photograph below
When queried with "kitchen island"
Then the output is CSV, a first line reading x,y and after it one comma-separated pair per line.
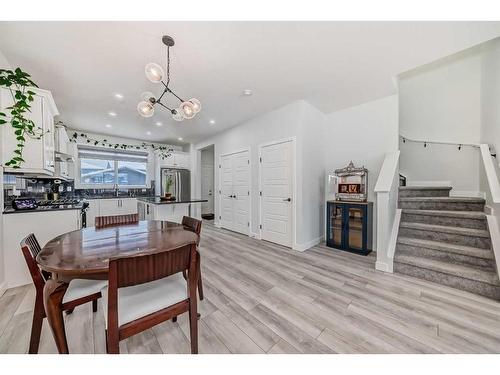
x,y
156,208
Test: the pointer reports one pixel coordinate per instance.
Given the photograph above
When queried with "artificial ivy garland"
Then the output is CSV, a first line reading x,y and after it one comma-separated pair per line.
x,y
165,151
18,82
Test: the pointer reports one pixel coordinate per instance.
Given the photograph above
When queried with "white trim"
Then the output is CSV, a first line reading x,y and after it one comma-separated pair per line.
x,y
429,183
219,190
3,288
495,238
309,244
386,175
295,245
467,193
491,173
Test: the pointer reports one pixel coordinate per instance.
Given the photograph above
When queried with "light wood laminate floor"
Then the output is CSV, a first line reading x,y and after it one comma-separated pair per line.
x,y
264,298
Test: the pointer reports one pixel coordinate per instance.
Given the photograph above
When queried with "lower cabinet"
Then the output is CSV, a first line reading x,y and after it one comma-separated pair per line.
x,y
349,226
45,225
110,207
165,212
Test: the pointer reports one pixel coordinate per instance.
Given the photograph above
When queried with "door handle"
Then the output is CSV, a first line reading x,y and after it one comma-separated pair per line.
x,y
287,200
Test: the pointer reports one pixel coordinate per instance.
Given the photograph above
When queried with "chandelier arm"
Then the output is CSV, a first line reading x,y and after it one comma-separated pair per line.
x,y
163,93
174,94
164,106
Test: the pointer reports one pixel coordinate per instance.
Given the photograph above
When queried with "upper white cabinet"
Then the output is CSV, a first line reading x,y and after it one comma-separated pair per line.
x,y
62,143
176,159
38,154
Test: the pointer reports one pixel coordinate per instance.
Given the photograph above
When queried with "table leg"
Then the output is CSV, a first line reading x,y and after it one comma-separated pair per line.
x,y
53,294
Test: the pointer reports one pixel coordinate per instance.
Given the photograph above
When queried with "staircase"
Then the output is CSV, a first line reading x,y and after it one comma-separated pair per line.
x,y
445,240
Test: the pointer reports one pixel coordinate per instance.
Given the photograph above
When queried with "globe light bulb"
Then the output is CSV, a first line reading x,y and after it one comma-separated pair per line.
x,y
154,72
176,115
147,95
187,110
196,104
145,109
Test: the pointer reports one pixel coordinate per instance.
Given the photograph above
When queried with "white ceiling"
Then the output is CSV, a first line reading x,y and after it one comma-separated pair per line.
x,y
332,65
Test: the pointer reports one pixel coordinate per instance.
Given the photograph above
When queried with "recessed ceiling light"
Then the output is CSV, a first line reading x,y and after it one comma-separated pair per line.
x,y
247,92
108,125
112,114
180,138
148,133
212,122
158,123
118,96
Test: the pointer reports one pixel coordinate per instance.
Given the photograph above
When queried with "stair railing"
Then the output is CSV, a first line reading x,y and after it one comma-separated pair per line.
x,y
388,215
425,142
493,200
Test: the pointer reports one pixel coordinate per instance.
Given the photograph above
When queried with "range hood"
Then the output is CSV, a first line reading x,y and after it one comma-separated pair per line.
x,y
63,158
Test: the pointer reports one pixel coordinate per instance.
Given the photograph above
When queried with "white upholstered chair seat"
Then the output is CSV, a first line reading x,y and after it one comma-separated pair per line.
x,y
140,300
79,288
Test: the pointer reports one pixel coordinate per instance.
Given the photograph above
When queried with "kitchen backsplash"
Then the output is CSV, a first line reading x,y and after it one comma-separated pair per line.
x,y
42,189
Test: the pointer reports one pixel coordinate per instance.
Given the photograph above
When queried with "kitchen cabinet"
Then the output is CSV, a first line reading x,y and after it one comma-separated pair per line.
x,y
349,226
176,159
62,142
38,153
118,206
165,212
45,225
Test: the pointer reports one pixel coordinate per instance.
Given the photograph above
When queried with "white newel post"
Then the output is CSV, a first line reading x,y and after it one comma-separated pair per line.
x,y
388,214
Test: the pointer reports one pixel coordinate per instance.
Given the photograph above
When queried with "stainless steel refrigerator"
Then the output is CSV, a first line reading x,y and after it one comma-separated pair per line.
x,y
181,183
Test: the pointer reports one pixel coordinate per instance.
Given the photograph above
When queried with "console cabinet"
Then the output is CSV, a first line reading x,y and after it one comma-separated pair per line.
x,y
349,226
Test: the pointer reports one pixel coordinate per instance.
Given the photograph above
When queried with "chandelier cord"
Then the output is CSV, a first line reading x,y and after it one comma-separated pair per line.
x,y
168,66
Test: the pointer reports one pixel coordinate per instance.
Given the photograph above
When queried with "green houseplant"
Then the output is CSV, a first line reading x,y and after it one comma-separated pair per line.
x,y
168,186
18,83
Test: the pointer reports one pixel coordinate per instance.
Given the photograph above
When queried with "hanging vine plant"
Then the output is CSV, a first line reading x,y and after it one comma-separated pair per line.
x,y
18,83
164,151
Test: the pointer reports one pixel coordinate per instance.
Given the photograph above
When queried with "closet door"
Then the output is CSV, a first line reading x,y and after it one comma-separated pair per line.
x,y
235,192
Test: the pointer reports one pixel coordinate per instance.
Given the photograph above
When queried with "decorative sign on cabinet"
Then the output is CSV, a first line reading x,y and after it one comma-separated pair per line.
x,y
38,153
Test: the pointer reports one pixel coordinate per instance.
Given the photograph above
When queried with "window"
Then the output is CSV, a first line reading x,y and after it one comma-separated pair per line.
x,y
104,168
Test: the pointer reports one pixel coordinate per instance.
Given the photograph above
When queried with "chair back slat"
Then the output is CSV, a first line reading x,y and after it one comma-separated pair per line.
x,y
116,220
193,225
30,249
146,268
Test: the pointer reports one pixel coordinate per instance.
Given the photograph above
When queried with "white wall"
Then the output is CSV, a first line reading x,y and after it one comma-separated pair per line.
x,y
297,120
442,102
4,64
363,134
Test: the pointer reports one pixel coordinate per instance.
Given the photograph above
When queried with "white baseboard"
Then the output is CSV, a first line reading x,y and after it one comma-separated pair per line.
x,y
429,183
467,193
385,267
308,245
3,288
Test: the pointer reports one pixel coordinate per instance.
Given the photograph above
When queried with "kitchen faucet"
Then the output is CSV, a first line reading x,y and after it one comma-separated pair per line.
x,y
115,187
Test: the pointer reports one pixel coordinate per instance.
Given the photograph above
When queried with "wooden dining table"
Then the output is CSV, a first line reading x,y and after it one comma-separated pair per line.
x,y
85,253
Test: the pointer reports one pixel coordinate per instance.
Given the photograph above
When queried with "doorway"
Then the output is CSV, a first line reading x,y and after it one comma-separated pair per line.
x,y
277,201
207,182
235,191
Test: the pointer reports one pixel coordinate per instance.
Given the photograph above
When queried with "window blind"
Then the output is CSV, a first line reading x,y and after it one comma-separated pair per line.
x,y
88,152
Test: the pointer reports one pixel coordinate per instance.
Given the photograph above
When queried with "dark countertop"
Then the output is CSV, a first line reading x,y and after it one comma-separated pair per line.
x,y
157,200
109,197
10,210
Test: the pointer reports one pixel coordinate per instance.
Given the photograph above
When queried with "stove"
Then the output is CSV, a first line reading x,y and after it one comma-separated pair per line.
x,y
58,202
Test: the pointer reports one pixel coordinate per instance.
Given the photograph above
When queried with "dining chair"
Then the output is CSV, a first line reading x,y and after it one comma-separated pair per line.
x,y
78,293
148,289
194,225
111,221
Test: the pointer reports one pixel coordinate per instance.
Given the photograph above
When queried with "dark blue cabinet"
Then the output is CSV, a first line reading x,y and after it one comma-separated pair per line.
x,y
349,226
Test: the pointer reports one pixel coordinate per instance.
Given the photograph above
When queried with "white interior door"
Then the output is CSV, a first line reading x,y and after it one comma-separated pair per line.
x,y
235,192
207,187
277,192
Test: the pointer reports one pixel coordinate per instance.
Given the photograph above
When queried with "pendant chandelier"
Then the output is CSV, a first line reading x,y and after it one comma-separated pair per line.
x,y
154,72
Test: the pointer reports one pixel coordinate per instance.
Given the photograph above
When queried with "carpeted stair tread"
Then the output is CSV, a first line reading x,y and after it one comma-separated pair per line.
x,y
447,247
455,214
425,188
465,272
446,229
443,199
